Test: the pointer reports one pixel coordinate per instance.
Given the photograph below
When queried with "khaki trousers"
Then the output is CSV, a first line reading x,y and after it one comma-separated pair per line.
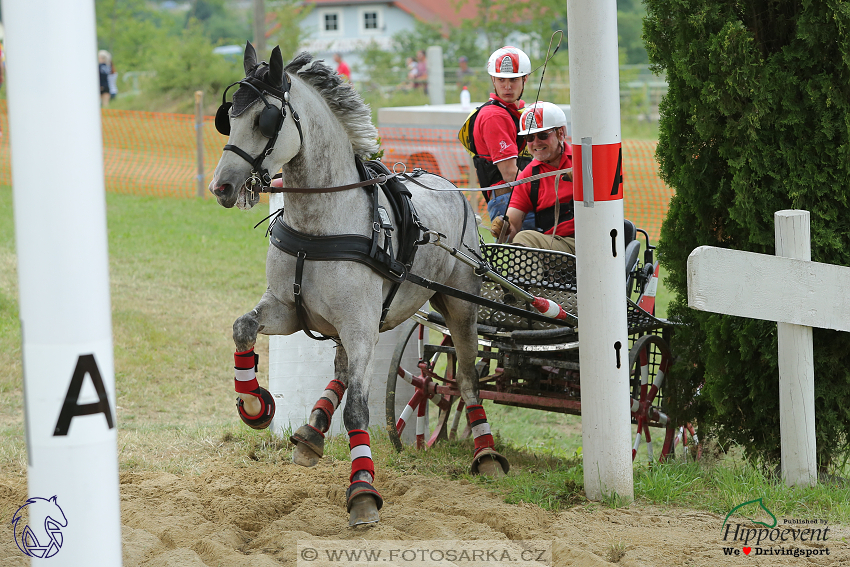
x,y
534,239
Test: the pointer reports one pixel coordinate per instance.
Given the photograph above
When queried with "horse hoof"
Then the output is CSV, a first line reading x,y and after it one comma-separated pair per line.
x,y
309,446
364,510
305,456
363,503
490,463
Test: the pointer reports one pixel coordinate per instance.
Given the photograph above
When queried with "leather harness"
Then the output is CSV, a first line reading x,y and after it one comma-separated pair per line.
x,y
358,248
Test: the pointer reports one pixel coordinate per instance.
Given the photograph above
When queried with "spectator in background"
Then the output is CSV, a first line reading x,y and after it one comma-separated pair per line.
x,y
421,79
410,64
112,79
342,67
104,65
464,73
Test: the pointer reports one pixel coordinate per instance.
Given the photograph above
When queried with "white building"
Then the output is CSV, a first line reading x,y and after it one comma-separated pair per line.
x,y
347,26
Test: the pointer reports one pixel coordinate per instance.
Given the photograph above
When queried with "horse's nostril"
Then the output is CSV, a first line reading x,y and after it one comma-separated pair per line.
x,y
222,189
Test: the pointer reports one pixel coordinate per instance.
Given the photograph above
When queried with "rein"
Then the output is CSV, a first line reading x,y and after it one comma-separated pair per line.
x,y
381,179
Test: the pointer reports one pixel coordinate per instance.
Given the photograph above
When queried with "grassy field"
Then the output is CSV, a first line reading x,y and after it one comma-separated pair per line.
x,y
181,272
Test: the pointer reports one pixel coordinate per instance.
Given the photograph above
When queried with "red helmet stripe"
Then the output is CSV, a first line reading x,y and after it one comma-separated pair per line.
x,y
511,59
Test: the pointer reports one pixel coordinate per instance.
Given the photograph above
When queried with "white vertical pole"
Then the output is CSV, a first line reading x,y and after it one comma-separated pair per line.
x,y
60,230
604,353
436,78
796,365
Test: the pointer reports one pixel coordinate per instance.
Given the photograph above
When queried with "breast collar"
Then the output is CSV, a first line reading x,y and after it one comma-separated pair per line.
x,y
260,175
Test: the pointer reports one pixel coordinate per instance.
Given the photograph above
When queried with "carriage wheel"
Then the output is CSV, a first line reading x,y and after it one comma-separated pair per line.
x,y
416,414
650,359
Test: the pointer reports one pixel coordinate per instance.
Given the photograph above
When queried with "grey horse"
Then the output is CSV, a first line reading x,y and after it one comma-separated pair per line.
x,y
317,124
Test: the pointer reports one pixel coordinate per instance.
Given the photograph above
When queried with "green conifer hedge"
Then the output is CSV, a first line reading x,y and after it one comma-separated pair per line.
x,y
756,120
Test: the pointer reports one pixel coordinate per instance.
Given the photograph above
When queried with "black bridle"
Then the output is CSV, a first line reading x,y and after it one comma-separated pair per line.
x,y
270,124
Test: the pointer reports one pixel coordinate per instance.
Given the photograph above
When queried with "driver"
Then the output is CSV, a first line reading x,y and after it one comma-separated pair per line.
x,y
497,146
545,132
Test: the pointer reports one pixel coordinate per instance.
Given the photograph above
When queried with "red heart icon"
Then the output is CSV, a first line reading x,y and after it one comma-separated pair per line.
x,y
747,550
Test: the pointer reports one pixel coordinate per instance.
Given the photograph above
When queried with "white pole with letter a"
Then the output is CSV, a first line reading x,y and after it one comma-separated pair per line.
x,y
604,353
63,272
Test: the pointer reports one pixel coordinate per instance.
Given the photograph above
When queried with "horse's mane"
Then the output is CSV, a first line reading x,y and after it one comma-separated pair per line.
x,y
346,103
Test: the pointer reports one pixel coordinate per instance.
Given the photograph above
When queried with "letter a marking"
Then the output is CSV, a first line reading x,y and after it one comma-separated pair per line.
x,y
86,364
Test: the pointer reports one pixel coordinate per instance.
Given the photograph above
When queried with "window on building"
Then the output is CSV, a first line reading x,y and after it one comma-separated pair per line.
x,y
370,20
331,22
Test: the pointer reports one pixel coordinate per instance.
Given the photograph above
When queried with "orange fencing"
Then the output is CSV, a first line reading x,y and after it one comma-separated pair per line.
x,y
152,153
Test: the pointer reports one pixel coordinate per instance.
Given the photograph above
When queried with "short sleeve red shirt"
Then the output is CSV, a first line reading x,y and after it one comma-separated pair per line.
x,y
495,131
521,197
343,70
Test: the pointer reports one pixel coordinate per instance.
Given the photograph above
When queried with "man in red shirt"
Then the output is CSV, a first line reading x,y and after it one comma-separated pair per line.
x,y
494,133
342,67
545,131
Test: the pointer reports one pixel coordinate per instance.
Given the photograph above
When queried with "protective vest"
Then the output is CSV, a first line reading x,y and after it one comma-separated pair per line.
x,y
545,219
487,172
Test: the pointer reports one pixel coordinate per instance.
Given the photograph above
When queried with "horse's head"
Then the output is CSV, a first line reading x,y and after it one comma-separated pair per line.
x,y
263,130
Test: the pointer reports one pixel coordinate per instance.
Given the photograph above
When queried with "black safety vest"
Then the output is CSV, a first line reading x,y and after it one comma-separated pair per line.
x,y
545,219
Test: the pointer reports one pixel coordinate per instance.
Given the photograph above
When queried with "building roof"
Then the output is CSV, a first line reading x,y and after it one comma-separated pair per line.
x,y
441,11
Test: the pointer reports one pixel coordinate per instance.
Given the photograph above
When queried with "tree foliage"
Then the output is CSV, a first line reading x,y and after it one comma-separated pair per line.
x,y
756,120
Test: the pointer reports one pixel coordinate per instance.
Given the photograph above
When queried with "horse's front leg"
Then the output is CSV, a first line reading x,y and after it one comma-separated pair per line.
x,y
309,439
254,403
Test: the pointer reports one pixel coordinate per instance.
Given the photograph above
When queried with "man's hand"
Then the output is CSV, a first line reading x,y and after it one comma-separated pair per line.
x,y
496,227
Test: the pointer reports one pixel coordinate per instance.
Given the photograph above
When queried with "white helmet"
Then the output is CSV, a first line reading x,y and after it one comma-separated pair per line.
x,y
541,116
508,62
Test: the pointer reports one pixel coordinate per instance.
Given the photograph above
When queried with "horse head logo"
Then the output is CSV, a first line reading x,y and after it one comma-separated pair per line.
x,y
42,536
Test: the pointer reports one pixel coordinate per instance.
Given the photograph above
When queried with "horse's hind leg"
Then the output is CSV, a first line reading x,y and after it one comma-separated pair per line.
x,y
254,403
309,439
461,318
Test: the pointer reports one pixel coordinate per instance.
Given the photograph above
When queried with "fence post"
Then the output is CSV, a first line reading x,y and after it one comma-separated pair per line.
x,y
796,365
436,80
199,140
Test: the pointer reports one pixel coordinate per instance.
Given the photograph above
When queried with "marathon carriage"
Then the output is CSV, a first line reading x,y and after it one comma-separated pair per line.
x,y
531,362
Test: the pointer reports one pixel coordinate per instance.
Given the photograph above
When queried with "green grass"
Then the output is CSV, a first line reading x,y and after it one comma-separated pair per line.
x,y
181,272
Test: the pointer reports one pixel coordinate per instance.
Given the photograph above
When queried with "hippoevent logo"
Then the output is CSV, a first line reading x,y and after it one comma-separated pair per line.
x,y
41,535
772,537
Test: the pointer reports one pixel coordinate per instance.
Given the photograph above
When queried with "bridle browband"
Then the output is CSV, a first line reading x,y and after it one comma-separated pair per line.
x,y
270,123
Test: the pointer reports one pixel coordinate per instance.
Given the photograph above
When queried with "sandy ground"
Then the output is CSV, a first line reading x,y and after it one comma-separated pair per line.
x,y
255,516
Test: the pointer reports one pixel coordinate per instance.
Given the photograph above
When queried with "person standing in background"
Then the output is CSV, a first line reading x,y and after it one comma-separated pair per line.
x,y
112,79
421,71
464,73
342,67
104,67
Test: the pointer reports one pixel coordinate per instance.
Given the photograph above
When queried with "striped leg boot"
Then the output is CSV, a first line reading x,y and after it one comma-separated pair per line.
x,y
485,460
309,439
246,384
363,501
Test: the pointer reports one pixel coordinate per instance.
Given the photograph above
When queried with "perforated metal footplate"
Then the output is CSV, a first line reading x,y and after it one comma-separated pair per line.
x,y
543,273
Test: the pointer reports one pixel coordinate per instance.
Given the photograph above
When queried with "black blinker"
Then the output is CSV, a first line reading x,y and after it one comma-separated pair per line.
x,y
222,118
270,120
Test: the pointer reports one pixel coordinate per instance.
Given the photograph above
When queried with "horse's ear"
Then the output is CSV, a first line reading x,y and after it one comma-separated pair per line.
x,y
250,60
276,67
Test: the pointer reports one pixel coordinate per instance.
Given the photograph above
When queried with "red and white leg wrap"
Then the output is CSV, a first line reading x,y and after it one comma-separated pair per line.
x,y
246,383
480,428
361,454
330,400
246,371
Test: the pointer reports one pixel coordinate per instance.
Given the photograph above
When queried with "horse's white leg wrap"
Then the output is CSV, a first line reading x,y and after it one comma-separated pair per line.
x,y
328,403
255,404
480,428
484,444
245,364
